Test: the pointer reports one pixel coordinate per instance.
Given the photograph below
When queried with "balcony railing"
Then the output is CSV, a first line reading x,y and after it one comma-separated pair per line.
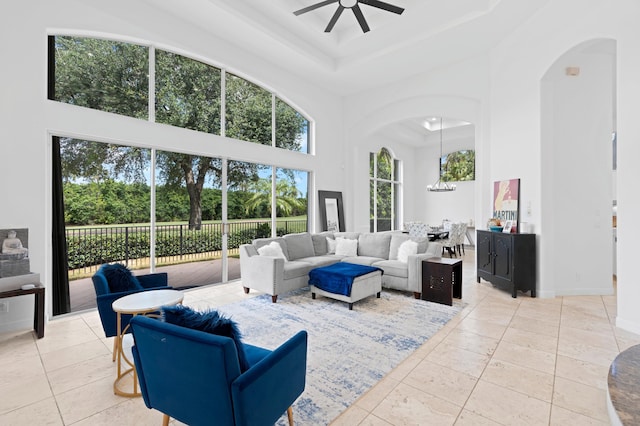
x,y
90,247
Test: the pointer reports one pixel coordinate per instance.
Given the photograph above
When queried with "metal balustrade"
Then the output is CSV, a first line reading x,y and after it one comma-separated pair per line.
x,y
90,247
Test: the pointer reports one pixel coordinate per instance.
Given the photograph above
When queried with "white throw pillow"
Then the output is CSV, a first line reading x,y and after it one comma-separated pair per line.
x,y
405,249
272,249
346,247
331,245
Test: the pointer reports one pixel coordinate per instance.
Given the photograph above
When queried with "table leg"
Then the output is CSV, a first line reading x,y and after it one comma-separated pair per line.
x,y
121,356
38,314
118,341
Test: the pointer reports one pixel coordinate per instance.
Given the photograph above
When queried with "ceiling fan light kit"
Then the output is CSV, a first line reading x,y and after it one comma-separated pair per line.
x,y
354,5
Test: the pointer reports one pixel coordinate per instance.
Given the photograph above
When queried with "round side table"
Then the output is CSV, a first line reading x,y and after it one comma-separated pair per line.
x,y
143,303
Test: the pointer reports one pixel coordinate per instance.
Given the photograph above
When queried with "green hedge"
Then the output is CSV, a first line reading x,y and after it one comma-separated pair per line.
x,y
88,250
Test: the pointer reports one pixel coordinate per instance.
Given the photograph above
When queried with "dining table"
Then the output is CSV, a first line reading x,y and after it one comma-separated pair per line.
x,y
438,234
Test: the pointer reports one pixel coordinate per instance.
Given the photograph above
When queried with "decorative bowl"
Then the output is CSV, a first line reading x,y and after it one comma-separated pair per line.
x,y
496,228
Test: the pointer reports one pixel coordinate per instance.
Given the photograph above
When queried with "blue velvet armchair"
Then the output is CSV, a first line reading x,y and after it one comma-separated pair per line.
x,y
195,377
105,297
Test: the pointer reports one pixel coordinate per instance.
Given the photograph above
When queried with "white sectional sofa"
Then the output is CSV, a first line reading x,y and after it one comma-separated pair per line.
x,y
281,273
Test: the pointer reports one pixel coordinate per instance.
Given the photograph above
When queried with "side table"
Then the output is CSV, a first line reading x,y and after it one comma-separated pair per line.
x,y
441,280
142,303
38,305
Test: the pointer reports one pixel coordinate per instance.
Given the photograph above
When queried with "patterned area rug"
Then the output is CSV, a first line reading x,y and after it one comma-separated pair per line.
x,y
348,351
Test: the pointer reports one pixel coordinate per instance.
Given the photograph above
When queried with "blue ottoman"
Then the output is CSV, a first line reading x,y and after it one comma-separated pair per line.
x,y
365,281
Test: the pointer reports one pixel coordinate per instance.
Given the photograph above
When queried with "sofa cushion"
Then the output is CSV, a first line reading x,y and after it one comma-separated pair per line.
x,y
119,278
394,245
299,245
423,243
406,249
361,260
347,235
374,245
272,249
320,243
346,247
209,321
296,269
317,261
265,241
331,245
393,268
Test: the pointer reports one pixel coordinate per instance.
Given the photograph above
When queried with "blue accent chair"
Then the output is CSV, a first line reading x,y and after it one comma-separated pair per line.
x,y
104,299
195,377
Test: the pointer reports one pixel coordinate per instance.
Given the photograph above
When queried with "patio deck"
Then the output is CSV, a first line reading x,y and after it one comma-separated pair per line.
x,y
83,296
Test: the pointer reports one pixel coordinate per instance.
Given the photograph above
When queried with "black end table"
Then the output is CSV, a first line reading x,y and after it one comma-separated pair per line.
x,y
441,280
38,305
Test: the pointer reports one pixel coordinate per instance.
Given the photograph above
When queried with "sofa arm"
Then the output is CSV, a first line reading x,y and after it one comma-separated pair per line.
x,y
264,392
434,249
262,273
414,273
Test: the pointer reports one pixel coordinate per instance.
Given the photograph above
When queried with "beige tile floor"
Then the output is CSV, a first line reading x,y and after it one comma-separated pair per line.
x,y
501,361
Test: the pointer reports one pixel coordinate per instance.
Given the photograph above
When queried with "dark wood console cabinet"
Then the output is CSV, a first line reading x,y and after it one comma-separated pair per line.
x,y
507,260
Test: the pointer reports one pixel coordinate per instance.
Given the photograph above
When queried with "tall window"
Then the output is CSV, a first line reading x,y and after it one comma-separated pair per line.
x,y
101,74
203,206
384,189
292,129
114,76
248,111
188,93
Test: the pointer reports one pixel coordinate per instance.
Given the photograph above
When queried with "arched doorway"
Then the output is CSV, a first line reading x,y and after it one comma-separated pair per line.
x,y
577,179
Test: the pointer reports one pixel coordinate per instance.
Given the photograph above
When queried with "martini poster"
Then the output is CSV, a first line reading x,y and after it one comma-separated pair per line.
x,y
506,197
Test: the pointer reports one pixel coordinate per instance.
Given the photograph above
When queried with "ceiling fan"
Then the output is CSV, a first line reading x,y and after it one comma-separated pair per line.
x,y
354,5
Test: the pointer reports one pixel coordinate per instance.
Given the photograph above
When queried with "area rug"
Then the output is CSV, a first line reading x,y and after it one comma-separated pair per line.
x,y
348,351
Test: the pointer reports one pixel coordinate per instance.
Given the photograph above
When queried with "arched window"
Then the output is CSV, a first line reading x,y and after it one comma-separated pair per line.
x,y
384,191
151,206
114,76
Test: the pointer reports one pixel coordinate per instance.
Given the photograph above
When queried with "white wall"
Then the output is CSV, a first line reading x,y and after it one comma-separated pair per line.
x,y
28,118
518,67
577,122
502,94
456,206
454,92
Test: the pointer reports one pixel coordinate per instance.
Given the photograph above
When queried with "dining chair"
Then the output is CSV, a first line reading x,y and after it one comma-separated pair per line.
x,y
451,241
462,233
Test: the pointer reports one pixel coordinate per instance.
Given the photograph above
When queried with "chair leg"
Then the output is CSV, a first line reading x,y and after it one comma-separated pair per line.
x,y
113,355
165,420
290,415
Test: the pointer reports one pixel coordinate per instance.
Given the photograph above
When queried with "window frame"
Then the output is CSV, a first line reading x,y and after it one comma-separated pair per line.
x,y
396,189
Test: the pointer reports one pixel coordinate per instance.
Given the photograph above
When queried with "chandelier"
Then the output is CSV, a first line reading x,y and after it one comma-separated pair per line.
x,y
439,185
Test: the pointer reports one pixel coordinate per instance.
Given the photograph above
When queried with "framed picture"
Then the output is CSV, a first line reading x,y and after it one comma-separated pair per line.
x,y
506,201
508,224
331,211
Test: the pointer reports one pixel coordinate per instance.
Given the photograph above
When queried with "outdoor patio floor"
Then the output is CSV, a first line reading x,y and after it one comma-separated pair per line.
x,y
208,272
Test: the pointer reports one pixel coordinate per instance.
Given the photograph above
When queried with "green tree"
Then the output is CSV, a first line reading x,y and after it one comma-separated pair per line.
x,y
286,197
459,166
102,74
112,76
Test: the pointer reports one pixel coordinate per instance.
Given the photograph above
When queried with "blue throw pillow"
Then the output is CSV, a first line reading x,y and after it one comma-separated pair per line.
x,y
120,279
210,322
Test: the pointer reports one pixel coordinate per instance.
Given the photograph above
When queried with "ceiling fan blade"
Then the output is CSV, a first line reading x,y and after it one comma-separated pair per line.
x,y
382,5
314,7
334,19
360,17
